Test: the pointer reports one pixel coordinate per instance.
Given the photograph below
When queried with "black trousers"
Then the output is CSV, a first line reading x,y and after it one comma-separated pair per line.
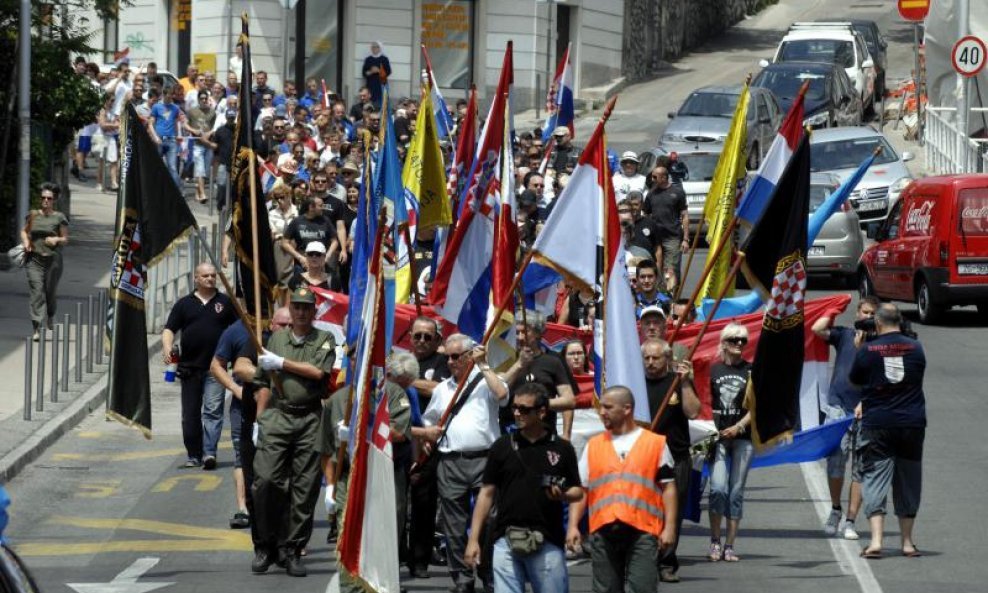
x,y
193,383
667,557
247,451
422,527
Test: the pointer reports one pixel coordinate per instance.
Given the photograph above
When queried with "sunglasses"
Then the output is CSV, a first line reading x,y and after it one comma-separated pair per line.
x,y
523,409
422,337
453,357
319,181
737,341
314,254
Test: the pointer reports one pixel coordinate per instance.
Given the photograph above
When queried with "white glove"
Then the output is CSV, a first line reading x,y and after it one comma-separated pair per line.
x,y
256,434
330,499
342,432
270,361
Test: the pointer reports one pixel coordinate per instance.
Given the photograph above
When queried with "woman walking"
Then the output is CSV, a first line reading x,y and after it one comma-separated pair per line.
x,y
43,236
734,450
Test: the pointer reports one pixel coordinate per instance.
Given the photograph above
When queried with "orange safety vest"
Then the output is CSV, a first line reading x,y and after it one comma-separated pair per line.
x,y
626,490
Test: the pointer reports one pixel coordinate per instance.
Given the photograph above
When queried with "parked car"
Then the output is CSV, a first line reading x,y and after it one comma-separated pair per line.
x,y
830,98
809,42
704,119
837,249
697,172
842,150
933,248
877,48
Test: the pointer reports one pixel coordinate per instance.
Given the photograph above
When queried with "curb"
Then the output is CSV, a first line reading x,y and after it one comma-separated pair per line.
x,y
68,418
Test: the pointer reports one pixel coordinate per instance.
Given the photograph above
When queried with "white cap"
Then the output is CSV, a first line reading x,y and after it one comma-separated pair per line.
x,y
629,156
315,246
653,309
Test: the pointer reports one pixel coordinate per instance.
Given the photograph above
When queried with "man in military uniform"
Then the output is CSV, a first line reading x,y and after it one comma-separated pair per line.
x,y
291,384
334,433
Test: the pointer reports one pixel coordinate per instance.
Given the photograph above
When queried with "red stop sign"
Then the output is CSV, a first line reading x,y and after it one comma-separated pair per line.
x,y
914,10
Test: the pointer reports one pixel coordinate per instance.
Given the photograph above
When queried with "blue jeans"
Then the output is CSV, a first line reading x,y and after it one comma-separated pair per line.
x,y
545,569
169,150
213,396
732,458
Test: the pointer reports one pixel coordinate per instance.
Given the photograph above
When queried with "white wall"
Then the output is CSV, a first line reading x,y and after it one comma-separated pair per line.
x,y
394,24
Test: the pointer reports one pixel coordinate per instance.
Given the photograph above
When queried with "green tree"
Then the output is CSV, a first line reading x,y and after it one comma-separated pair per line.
x,y
61,100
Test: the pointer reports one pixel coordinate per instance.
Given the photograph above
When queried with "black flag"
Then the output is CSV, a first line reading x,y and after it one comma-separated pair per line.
x,y
245,179
775,265
151,216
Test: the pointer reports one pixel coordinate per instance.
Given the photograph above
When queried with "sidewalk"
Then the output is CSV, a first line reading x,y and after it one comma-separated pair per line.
x,y
86,272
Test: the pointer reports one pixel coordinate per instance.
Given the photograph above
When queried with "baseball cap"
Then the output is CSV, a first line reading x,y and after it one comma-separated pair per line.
x,y
560,131
315,247
629,156
653,309
303,295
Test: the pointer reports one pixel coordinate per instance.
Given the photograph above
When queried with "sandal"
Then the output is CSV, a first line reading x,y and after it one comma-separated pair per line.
x,y
869,554
730,555
715,552
914,553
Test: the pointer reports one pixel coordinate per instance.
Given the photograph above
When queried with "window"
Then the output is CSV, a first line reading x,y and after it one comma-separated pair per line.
x,y
447,33
972,212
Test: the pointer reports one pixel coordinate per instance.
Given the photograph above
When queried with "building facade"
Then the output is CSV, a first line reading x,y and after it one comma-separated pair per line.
x,y
329,39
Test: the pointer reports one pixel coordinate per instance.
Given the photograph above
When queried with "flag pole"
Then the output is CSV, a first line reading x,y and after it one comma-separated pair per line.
x,y
416,298
689,260
699,336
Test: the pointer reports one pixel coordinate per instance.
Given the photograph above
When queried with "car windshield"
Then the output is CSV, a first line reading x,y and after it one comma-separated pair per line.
x,y
699,166
785,83
819,193
849,154
709,105
827,51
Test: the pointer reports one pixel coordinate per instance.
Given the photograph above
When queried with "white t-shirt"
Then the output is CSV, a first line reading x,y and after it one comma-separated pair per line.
x,y
624,185
622,446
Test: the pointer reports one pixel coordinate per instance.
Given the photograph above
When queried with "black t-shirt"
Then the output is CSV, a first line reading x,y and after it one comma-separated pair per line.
x,y
727,388
201,326
890,370
298,280
674,425
549,370
348,217
521,499
302,231
223,138
645,234
665,208
332,208
434,368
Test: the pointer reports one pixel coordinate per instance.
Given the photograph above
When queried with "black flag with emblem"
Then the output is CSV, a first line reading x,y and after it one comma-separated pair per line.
x,y
245,179
775,265
152,216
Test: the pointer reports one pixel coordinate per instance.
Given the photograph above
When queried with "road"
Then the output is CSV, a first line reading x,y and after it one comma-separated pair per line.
x,y
102,498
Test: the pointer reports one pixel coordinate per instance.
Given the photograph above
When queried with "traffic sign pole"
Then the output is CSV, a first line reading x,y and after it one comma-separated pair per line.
x,y
917,85
963,99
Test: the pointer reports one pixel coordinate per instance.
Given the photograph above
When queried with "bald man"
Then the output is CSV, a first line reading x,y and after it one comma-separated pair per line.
x,y
200,318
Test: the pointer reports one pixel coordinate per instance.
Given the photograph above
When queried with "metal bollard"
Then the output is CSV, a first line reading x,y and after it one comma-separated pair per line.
x,y
66,334
100,325
78,342
56,342
39,394
28,360
89,336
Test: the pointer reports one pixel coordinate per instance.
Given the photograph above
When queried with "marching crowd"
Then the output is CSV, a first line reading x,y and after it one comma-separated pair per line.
x,y
489,460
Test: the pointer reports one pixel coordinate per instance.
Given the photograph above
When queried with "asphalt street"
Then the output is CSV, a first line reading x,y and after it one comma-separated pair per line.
x,y
103,499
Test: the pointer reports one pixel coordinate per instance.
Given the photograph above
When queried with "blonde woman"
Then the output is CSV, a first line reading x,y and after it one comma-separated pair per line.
x,y
282,213
733,452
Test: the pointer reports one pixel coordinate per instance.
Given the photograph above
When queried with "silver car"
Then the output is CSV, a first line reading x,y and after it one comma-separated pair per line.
x,y
841,151
838,247
704,119
695,175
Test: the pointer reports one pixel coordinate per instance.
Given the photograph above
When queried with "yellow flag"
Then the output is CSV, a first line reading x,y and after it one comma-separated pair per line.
x,y
424,174
722,198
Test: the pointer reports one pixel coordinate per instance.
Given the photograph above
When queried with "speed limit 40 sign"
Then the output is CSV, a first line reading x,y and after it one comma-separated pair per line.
x,y
969,56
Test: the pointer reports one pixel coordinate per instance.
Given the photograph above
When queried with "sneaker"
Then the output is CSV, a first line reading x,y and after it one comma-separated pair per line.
x,y
849,532
668,575
83,177
99,187
240,520
262,561
51,323
192,462
833,521
294,566
715,552
36,336
209,463
730,555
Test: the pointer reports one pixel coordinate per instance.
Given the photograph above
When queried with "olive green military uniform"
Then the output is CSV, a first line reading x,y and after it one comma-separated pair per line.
x,y
44,266
286,466
401,417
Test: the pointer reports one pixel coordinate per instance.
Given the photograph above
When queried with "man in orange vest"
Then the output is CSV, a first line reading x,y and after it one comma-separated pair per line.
x,y
631,489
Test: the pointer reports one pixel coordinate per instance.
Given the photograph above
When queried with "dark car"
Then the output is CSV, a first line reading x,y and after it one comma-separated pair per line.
x,y
830,99
877,47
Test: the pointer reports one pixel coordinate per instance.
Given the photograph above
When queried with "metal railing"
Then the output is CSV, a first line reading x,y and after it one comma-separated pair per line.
x,y
172,277
46,362
947,150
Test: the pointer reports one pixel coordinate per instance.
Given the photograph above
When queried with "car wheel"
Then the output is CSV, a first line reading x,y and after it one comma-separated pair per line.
x,y
865,287
929,312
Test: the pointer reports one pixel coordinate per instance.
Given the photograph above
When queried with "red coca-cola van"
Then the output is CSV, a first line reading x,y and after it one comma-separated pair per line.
x,y
933,247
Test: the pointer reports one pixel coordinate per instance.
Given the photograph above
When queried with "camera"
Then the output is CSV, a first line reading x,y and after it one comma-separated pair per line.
x,y
548,481
871,330
866,325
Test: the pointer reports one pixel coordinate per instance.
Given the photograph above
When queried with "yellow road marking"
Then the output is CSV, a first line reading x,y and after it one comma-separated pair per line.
x,y
129,455
98,489
197,539
205,482
89,434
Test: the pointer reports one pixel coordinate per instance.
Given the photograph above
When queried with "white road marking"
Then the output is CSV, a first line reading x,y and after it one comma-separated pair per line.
x,y
126,581
846,552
